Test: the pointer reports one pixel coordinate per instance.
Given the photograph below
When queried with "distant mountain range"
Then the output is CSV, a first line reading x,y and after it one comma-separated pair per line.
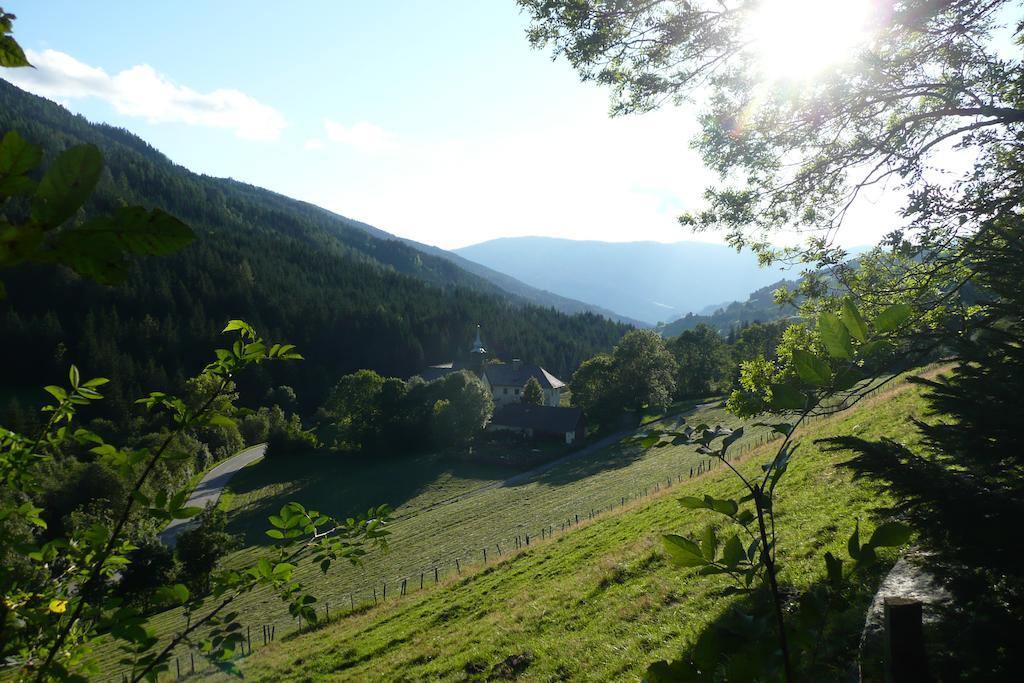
x,y
506,283
648,281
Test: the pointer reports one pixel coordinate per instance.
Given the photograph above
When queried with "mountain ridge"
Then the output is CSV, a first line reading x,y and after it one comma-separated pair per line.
x,y
646,280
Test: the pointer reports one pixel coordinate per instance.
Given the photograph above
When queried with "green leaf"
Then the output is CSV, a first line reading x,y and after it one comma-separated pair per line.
x,y
187,513
834,335
55,391
218,420
787,397
890,534
732,438
683,551
724,506
892,317
709,543
692,502
16,186
810,368
732,552
66,185
18,156
97,248
11,54
853,321
264,567
275,533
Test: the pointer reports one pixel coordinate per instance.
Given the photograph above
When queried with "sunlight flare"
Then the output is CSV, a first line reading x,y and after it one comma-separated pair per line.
x,y
797,39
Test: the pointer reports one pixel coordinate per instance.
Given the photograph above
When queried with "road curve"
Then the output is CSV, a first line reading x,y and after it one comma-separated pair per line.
x,y
211,486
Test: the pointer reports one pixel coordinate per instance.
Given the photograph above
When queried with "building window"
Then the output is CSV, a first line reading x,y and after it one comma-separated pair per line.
x,y
506,391
517,392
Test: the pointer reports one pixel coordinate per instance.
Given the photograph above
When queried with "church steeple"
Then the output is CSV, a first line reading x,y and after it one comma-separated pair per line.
x,y
478,346
477,354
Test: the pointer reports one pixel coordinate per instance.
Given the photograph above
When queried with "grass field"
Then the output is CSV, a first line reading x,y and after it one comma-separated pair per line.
x,y
428,536
599,603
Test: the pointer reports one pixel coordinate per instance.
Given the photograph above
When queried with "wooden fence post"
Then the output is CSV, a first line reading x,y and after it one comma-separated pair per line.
x,y
177,665
904,642
435,575
192,656
458,567
421,580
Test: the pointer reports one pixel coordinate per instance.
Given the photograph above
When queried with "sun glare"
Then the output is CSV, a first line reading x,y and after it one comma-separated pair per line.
x,y
796,39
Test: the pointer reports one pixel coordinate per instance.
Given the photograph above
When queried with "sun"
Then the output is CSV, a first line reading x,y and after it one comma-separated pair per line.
x,y
797,39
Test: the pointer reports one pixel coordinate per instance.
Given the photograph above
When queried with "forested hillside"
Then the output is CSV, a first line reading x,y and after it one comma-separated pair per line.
x,y
760,306
348,299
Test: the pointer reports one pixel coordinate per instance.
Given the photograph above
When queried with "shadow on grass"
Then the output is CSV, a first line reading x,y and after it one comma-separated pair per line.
x,y
967,520
742,643
343,485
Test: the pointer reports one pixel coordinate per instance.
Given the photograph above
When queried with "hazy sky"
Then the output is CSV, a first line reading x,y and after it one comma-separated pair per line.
x,y
431,120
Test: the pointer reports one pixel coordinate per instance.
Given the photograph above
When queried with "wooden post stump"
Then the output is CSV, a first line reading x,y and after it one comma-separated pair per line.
x,y
905,657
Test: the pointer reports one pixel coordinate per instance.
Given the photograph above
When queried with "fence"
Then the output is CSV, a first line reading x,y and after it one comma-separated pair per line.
x,y
189,662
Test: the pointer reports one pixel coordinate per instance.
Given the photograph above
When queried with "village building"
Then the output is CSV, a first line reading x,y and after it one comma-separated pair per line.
x,y
564,424
507,382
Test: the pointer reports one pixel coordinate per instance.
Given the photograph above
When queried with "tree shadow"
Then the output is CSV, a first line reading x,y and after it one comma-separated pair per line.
x,y
342,485
964,520
742,643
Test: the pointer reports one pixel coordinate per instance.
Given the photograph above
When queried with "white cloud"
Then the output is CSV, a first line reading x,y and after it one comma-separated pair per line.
x,y
362,135
313,143
142,91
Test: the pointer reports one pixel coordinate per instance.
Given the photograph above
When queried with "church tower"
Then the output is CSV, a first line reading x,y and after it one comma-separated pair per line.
x,y
477,354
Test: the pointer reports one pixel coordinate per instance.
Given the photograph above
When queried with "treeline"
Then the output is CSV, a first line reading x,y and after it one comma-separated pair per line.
x,y
646,371
366,411
347,299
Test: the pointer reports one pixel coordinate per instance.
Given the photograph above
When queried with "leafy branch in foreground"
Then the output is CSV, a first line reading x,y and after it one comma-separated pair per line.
x,y
56,608
46,232
819,378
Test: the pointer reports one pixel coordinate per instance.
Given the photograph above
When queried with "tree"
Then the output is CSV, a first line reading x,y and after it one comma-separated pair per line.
x,y
462,406
593,388
931,77
533,393
201,548
702,361
353,406
58,597
644,370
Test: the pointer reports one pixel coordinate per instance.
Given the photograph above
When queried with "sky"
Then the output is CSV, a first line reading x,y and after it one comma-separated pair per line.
x,y
435,121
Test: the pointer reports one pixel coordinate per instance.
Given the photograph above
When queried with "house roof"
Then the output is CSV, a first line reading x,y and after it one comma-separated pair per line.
x,y
518,374
544,419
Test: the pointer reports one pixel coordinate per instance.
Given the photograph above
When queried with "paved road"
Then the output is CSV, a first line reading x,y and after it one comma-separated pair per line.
x,y
211,486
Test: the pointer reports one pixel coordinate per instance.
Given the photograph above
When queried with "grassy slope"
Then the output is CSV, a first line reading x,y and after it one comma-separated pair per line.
x,y
599,603
436,537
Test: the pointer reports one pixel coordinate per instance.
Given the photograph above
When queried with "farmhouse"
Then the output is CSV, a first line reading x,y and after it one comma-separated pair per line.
x,y
566,424
505,381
